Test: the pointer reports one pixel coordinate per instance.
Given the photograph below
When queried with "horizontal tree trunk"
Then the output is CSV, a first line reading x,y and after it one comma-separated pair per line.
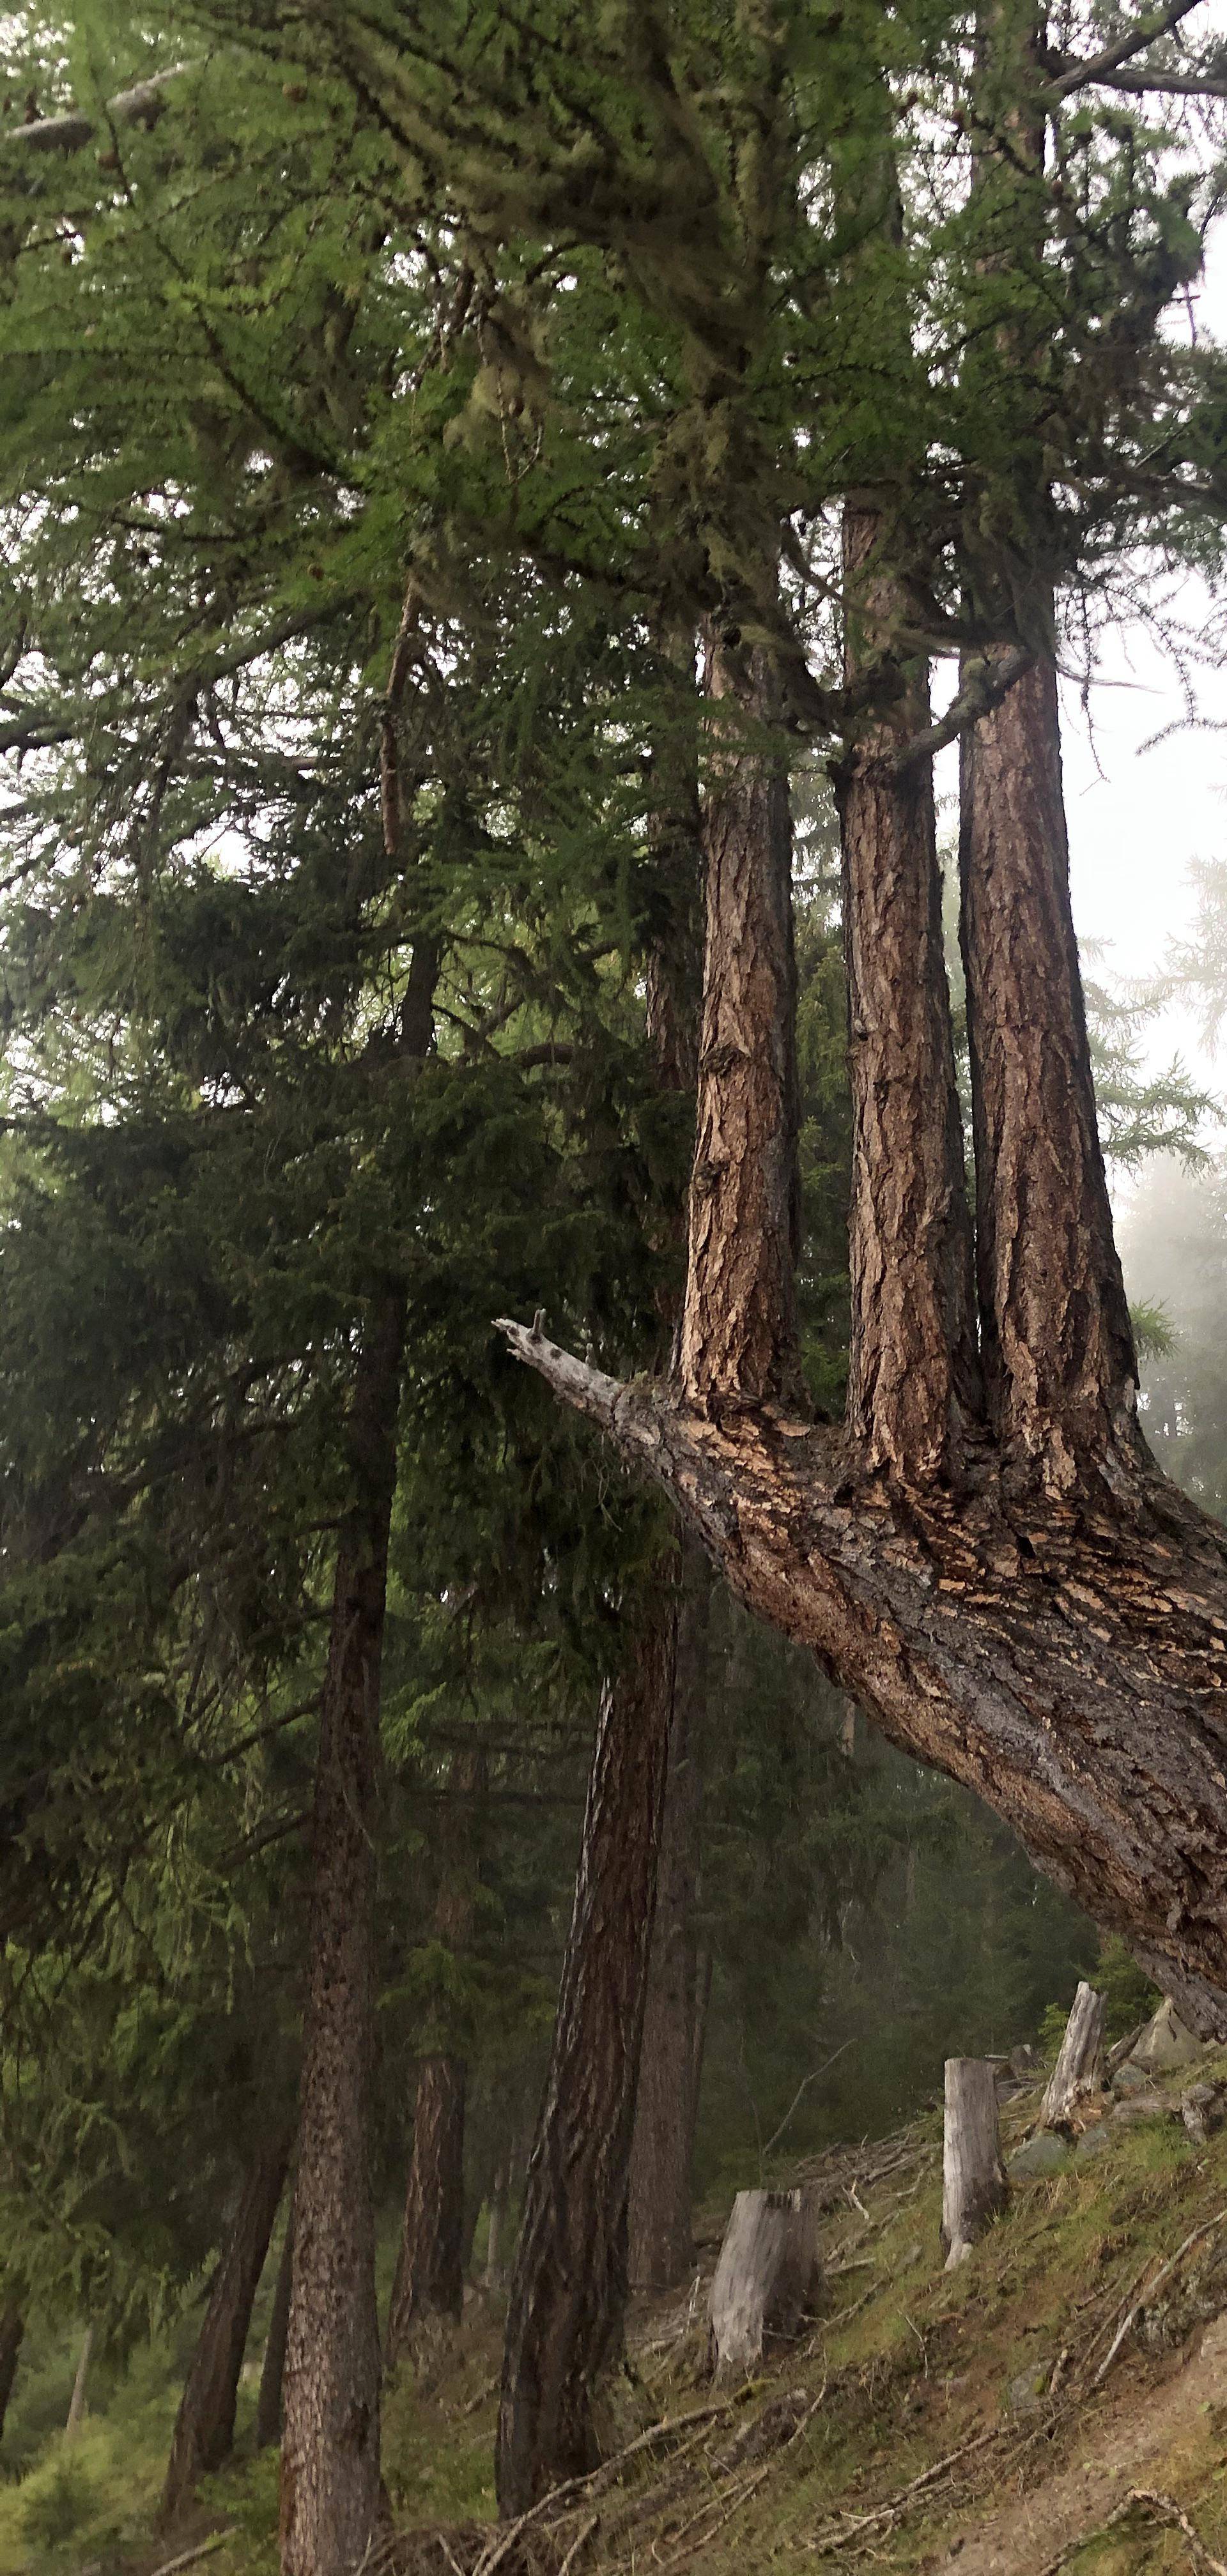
x,y
204,2426
1068,1666
973,2177
1079,2067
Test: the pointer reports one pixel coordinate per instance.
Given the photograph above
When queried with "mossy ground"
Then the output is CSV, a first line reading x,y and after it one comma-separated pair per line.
x,y
906,2367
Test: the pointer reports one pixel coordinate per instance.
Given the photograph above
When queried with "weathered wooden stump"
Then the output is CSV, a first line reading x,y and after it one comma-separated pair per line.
x,y
1079,2067
768,2276
974,2188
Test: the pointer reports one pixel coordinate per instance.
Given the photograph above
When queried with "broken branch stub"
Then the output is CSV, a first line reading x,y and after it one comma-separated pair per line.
x,y
768,2276
1079,2068
974,2189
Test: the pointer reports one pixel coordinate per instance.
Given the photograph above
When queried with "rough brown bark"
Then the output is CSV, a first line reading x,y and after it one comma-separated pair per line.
x,y
739,1330
568,2288
330,2443
973,2177
1058,1347
659,2239
272,2367
1067,1661
204,2426
914,1379
430,2274
12,2334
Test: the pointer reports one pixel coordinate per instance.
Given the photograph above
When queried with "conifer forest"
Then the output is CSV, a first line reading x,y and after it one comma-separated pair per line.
x,y
613,1358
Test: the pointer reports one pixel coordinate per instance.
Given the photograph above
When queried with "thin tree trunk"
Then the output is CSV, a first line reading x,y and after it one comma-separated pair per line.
x,y
330,2483
76,2403
272,2368
430,2274
330,2443
500,2195
914,1378
204,2426
660,2246
12,2333
1059,1356
739,1330
568,2290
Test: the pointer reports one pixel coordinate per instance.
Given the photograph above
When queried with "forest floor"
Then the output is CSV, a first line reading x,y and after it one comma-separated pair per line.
x,y
995,2420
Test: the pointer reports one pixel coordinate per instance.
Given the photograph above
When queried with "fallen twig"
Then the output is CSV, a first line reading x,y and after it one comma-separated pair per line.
x,y
853,2525
188,2557
1134,2311
582,2537
1158,2508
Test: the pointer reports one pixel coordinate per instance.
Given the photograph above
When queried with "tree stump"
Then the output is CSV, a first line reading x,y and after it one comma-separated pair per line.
x,y
768,2275
1079,2067
974,2189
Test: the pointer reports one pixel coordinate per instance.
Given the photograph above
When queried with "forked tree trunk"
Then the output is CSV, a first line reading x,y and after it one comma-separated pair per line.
x,y
915,1378
430,2274
330,2442
1079,2068
660,2246
739,1329
568,2289
272,2367
1059,1356
204,2426
12,2334
974,2190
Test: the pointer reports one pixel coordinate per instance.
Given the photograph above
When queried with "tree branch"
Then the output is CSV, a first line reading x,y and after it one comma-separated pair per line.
x,y
1078,75
141,105
985,684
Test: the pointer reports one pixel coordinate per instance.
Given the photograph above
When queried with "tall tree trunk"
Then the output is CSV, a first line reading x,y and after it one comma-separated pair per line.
x,y
429,2282
272,2368
568,2289
12,2334
430,2273
739,1329
204,2426
914,1380
76,2403
1058,1344
330,2484
330,2442
660,2247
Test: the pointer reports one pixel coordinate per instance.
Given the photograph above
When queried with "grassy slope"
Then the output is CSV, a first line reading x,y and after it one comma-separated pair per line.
x,y
906,2367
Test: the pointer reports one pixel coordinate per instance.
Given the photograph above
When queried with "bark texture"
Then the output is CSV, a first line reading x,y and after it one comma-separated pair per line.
x,y
914,1380
738,1342
974,2189
272,2368
1058,1346
330,2445
12,2335
568,2288
430,2274
204,2426
767,2278
1079,2067
1068,1661
660,2246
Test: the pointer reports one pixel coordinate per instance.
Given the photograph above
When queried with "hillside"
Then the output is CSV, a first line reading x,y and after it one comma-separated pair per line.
x,y
995,2417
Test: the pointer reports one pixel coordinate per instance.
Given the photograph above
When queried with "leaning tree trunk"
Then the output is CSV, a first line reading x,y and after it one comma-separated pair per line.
x,y
1050,1626
12,2334
330,2442
272,2368
204,2426
659,2240
568,2288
